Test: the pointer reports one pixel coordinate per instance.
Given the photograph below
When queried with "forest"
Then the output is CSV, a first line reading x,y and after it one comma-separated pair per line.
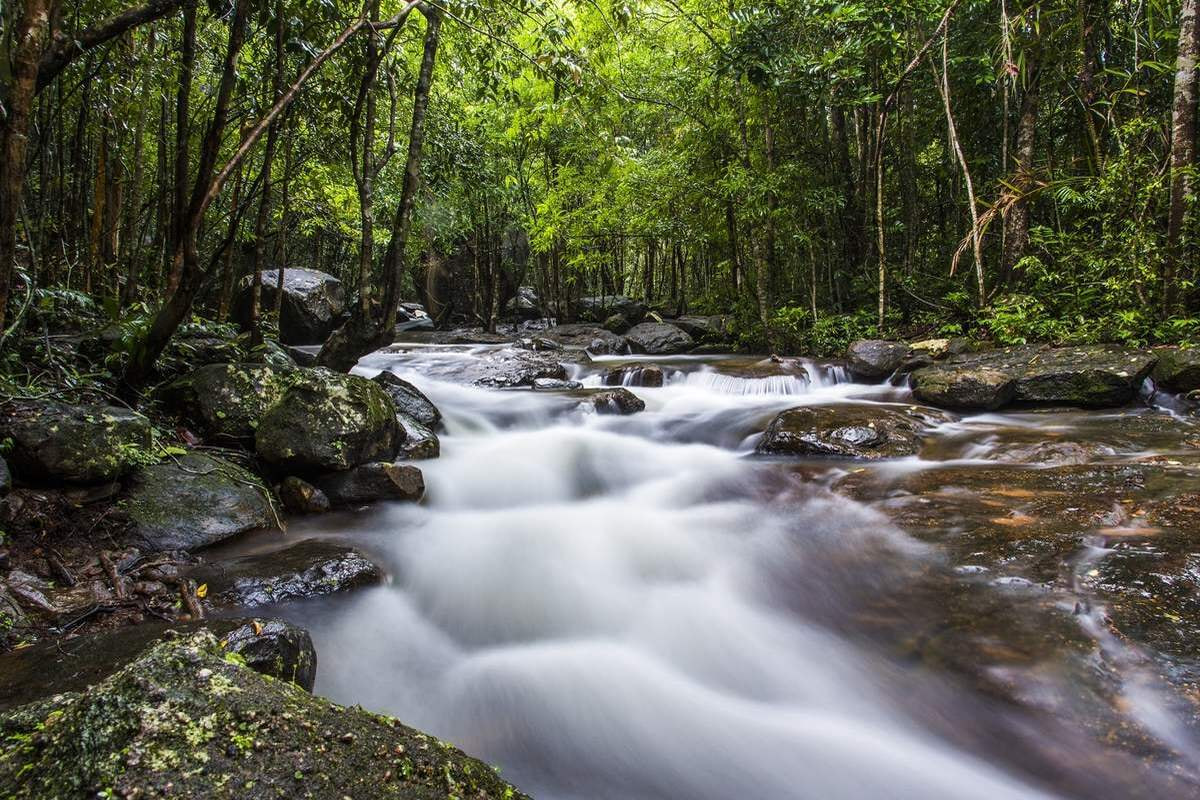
x,y
819,171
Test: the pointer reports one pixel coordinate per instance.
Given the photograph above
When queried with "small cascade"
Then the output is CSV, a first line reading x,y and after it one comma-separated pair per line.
x,y
803,380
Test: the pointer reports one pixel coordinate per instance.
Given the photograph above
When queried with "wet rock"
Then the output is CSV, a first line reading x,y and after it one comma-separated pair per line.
x,y
525,305
634,375
618,324
964,387
1049,454
537,344
194,501
709,329
183,720
555,385
226,401
616,401
476,336
845,431
419,441
598,309
303,356
301,497
328,421
310,568
1178,370
587,337
507,369
658,338
313,303
54,442
369,483
1097,376
875,359
409,400
269,646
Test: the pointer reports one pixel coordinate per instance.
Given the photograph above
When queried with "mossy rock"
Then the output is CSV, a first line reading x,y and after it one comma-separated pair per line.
x,y
186,719
410,400
1178,370
271,646
226,401
194,501
964,387
328,421
53,442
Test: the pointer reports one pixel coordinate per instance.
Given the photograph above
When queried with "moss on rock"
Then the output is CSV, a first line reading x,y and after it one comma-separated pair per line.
x,y
226,401
188,720
79,444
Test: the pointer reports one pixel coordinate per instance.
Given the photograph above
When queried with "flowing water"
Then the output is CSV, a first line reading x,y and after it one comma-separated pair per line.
x,y
637,607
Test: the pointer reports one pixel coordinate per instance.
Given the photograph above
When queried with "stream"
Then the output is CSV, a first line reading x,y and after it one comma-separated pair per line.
x,y
637,607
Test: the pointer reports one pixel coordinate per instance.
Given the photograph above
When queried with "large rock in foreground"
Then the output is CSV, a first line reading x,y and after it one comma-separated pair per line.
x,y
194,501
226,401
54,442
875,359
310,568
844,431
312,306
658,338
270,646
183,720
329,421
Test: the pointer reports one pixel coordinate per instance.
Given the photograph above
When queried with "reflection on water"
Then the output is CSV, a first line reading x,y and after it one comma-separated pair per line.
x,y
633,607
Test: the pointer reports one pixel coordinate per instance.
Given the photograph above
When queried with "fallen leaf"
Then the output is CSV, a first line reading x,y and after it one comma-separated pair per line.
x,y
202,591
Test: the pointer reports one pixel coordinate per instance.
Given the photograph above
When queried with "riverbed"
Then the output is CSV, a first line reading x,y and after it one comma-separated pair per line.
x,y
639,607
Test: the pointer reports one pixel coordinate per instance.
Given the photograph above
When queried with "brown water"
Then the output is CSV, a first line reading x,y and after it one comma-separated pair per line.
x,y
637,607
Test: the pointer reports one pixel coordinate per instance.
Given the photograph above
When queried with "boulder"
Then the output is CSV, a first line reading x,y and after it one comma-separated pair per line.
x,y
525,305
598,309
368,483
587,337
616,401
194,501
617,323
226,401
311,568
875,359
707,329
270,646
507,369
964,387
1178,370
54,442
658,338
183,719
1098,376
419,441
845,431
555,385
409,400
328,421
313,303
634,375
301,497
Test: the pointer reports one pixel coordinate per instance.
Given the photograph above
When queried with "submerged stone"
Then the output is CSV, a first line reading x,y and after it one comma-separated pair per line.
x,y
308,569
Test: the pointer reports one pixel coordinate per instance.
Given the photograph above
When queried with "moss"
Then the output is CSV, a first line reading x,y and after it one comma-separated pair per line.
x,y
157,726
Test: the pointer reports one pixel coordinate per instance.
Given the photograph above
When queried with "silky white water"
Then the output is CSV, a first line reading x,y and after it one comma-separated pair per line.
x,y
630,607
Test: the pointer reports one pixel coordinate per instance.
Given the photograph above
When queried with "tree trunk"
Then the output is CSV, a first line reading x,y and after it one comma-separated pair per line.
x,y
363,334
30,37
1016,222
1183,152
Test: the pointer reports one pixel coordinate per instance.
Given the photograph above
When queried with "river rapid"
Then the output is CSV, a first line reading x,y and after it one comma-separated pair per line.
x,y
637,607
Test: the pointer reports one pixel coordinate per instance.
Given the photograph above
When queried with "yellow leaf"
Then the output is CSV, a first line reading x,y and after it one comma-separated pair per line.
x,y
202,591
257,627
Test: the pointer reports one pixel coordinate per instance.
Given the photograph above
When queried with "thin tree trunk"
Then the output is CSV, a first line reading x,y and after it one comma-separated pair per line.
x,y
1183,151
1016,222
